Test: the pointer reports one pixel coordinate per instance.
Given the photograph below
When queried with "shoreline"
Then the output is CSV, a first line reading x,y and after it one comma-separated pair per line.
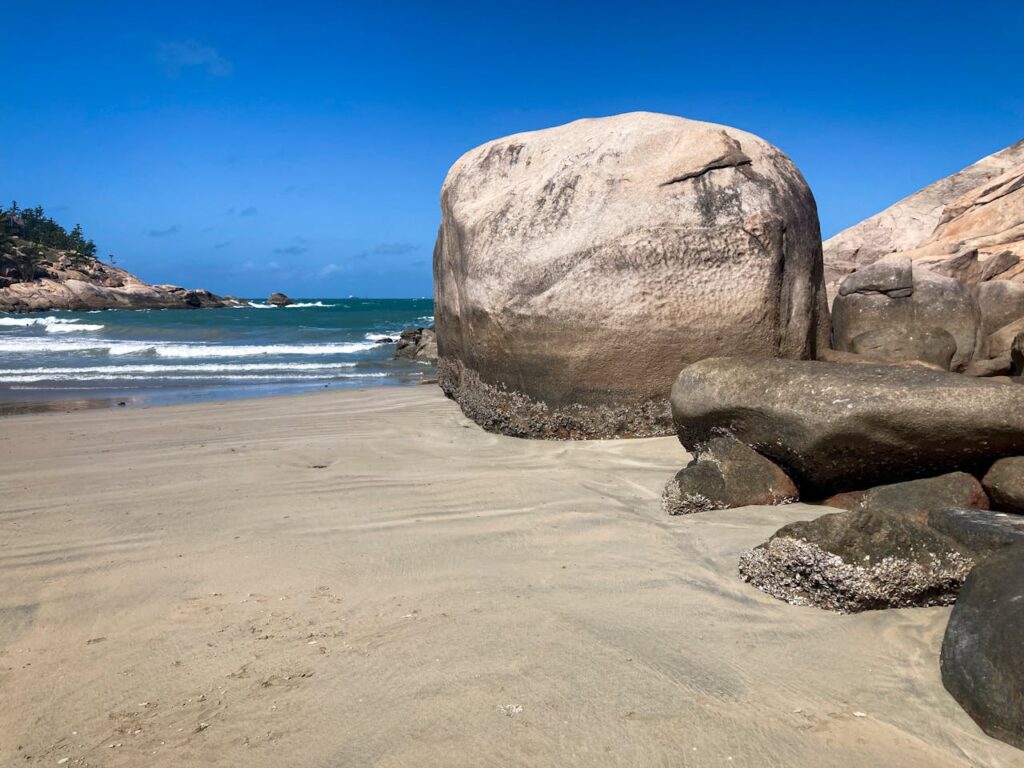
x,y
364,577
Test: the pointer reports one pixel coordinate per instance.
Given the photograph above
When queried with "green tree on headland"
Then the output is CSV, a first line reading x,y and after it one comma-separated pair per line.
x,y
27,238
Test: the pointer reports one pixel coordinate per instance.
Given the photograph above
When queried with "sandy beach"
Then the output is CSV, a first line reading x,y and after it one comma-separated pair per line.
x,y
362,578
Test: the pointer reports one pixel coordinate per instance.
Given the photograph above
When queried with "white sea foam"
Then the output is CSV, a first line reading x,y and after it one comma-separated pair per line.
x,y
162,369
379,336
50,324
14,379
180,351
294,305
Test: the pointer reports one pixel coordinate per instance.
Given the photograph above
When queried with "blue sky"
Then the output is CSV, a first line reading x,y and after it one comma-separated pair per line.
x,y
249,147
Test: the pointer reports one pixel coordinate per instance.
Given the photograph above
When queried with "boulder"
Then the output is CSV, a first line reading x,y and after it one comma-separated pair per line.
x,y
417,344
577,268
1004,483
981,660
871,301
996,366
1000,343
917,498
978,532
856,561
1017,355
836,428
928,344
727,474
1000,303
279,300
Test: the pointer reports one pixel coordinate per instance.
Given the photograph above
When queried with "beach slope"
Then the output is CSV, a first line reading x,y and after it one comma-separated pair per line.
x,y
365,578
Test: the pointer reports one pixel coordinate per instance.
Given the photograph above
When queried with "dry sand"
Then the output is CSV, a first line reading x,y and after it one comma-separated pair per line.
x,y
365,578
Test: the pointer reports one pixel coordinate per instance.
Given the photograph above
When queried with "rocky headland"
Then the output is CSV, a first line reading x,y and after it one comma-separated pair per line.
x,y
43,268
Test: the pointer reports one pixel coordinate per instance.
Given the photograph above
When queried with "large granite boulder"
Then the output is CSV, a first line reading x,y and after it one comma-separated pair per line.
x,y
982,664
578,268
1004,483
836,427
876,303
726,474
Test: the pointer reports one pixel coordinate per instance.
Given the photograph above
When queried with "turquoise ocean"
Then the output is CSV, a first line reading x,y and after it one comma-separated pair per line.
x,y
151,357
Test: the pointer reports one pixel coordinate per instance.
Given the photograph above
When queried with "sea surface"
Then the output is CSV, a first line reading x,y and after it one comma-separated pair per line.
x,y
66,360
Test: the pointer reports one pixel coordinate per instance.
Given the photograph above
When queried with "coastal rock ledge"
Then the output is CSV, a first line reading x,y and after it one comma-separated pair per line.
x,y
578,268
72,282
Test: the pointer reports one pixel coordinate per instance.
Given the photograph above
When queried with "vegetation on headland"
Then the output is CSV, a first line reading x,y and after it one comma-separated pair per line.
x,y
29,239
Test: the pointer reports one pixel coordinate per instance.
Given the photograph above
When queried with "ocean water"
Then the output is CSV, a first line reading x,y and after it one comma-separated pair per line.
x,y
150,357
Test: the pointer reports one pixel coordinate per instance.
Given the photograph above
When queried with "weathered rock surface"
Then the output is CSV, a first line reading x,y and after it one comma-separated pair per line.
x,y
916,498
835,428
856,561
904,322
726,474
577,268
1000,343
1017,355
82,284
417,344
997,366
1000,303
1004,483
927,344
976,210
981,661
279,300
979,532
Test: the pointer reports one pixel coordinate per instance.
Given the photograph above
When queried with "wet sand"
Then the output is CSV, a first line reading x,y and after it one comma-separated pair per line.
x,y
360,578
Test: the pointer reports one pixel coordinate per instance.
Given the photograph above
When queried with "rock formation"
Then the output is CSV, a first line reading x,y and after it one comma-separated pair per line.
x,y
69,281
279,300
417,344
916,499
895,310
856,561
968,225
982,666
725,474
1004,483
578,268
836,428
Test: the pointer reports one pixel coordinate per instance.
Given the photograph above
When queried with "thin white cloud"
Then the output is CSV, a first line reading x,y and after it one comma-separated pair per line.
x,y
178,55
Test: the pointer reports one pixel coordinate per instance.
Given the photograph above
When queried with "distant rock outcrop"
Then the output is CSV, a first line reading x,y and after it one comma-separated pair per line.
x,y
279,300
578,268
417,344
969,225
73,282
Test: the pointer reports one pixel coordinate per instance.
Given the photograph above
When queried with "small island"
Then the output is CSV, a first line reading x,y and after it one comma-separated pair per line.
x,y
44,267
